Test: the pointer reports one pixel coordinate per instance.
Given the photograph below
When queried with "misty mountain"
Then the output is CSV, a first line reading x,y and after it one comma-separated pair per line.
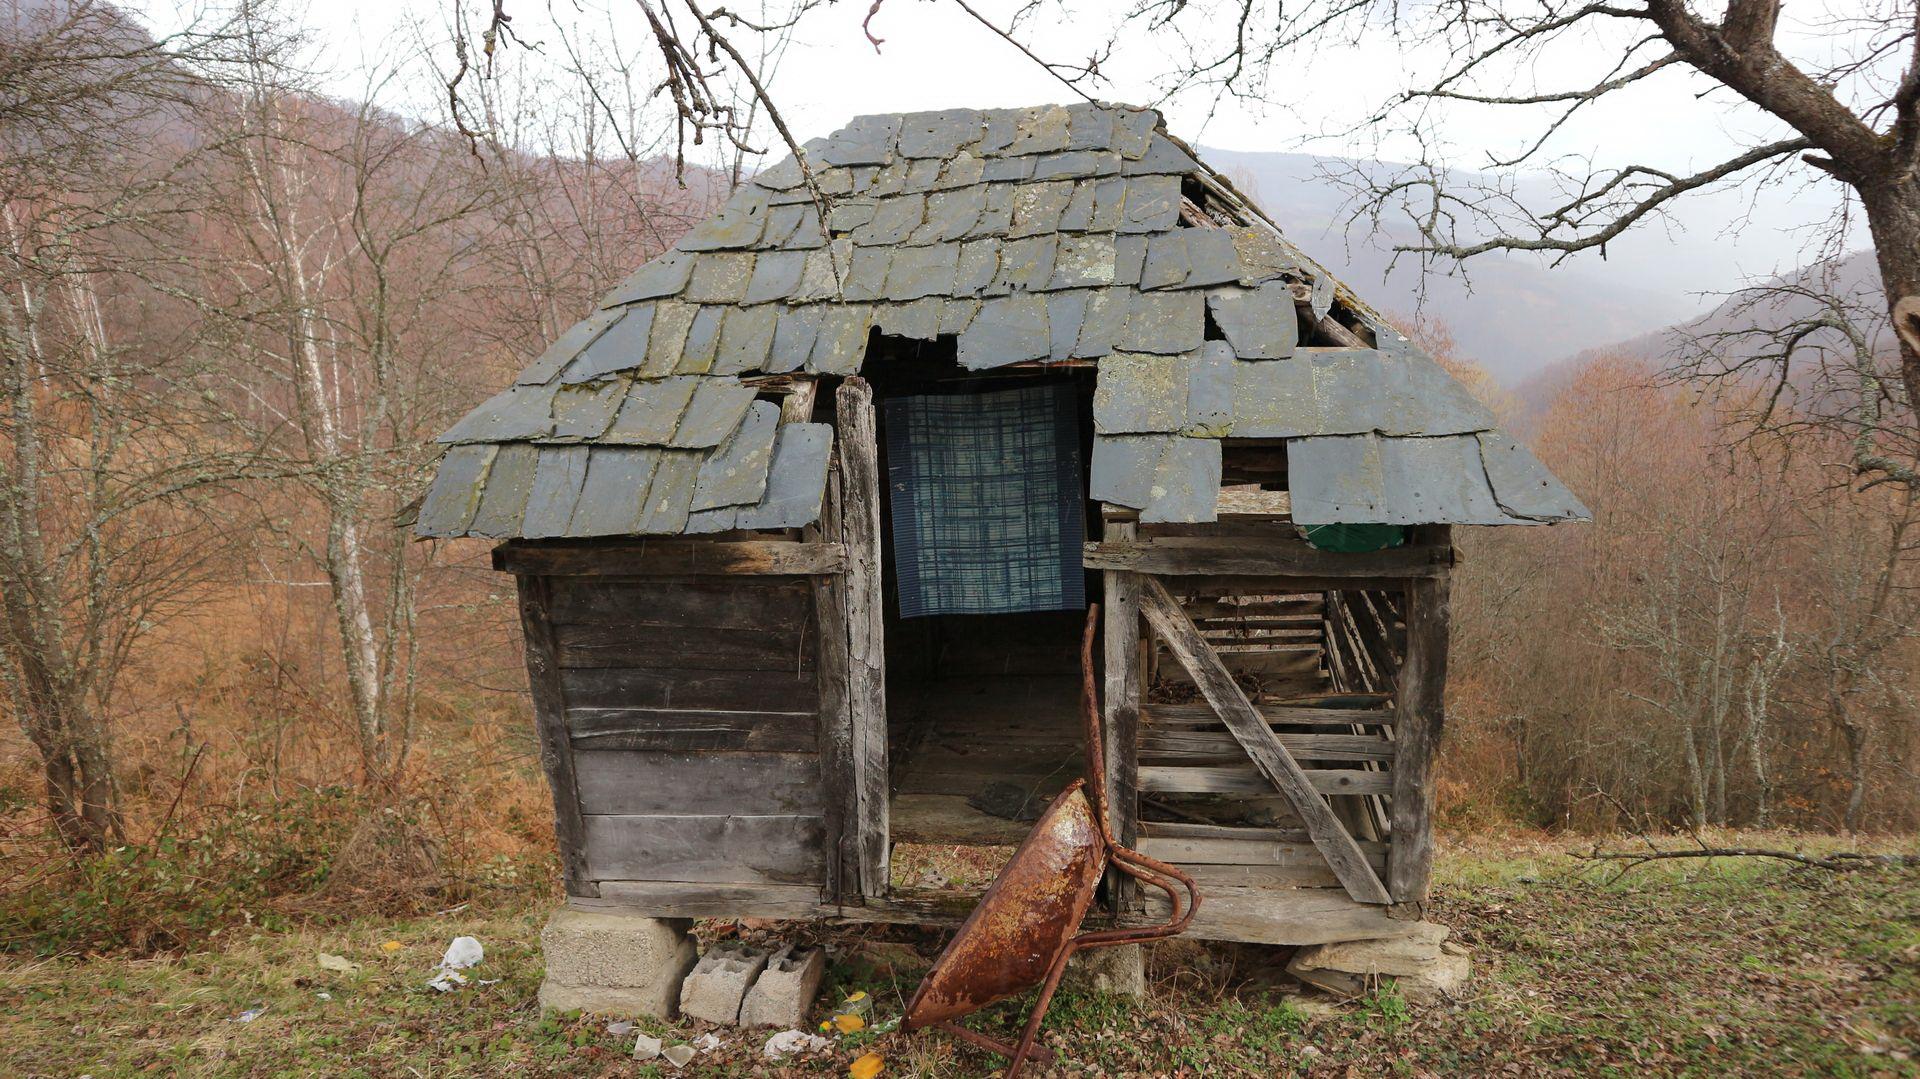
x,y
1513,313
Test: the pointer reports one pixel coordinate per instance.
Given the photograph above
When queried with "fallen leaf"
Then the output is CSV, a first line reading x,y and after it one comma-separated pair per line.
x,y
392,946
866,1067
339,963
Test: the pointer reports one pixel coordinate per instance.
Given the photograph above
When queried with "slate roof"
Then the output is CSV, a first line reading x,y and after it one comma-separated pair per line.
x,y
1030,235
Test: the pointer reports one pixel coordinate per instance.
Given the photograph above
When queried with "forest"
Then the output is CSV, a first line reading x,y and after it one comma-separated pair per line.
x,y
236,312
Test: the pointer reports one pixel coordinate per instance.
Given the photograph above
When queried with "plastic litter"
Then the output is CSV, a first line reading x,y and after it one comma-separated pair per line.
x,y
677,1055
788,1042
646,1047
462,953
867,1066
620,1028
707,1043
251,1014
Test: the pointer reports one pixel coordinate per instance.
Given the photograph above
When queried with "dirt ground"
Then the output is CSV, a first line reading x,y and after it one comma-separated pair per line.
x,y
1681,968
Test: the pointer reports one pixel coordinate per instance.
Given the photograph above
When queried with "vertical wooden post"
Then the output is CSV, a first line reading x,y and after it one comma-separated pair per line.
x,y
1420,701
865,629
550,719
1120,704
836,721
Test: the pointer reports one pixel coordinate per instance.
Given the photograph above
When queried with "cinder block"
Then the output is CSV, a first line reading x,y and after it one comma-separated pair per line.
x,y
1120,970
719,982
617,964
784,992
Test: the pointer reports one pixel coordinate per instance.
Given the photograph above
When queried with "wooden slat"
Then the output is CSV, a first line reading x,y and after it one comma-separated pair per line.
x,y
1247,779
1201,610
1204,850
645,557
1199,715
669,729
546,682
1263,557
700,602
709,849
723,691
1250,728
700,784
866,631
1167,744
771,646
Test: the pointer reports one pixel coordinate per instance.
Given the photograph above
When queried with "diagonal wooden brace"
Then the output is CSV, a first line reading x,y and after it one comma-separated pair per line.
x,y
1250,729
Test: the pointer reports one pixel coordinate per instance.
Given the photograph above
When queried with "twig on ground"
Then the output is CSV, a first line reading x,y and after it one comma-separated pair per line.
x,y
1840,861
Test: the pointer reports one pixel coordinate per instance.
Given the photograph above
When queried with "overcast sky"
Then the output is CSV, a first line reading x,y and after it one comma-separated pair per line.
x,y
935,56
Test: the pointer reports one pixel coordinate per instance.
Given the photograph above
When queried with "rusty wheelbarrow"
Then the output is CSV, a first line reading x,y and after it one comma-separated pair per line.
x,y
1027,925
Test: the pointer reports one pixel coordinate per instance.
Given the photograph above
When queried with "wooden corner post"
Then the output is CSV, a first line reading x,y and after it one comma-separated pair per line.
x,y
1420,701
865,629
550,719
1120,704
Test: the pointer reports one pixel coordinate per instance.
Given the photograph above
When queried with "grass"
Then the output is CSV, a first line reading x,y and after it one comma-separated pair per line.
x,y
1675,969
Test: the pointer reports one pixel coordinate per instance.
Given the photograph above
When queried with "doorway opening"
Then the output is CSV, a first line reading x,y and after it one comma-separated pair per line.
x,y
983,516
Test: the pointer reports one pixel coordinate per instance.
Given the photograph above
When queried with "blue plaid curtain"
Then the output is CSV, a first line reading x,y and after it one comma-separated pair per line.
x,y
987,505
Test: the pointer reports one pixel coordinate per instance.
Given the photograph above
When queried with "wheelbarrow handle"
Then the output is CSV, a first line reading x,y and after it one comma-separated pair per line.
x,y
1140,867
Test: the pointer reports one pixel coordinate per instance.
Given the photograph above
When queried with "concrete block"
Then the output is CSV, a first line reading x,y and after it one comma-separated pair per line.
x,y
719,982
784,992
1423,964
618,964
1121,971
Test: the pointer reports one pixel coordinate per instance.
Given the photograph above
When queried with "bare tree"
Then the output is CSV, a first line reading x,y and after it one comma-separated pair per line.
x,y
338,231
104,473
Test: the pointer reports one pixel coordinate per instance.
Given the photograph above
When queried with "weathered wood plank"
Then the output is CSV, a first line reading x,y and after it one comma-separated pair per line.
x,y
672,556
699,784
724,691
1260,557
866,631
772,646
1209,851
1205,610
545,680
667,899
836,714
1422,707
1171,745
1199,715
1296,916
707,849
1250,728
701,602
670,729
1315,875
1247,779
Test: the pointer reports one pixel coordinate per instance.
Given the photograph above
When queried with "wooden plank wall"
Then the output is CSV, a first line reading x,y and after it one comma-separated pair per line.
x,y
691,712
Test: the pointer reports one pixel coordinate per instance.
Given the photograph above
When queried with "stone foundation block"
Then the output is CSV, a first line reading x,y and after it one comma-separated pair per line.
x,y
784,991
616,964
719,982
1121,970
1423,964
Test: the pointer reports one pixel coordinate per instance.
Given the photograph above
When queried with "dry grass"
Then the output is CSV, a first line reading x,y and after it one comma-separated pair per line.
x,y
1709,969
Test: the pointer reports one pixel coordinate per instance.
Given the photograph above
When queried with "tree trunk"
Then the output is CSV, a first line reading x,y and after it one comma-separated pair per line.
x,y
1893,217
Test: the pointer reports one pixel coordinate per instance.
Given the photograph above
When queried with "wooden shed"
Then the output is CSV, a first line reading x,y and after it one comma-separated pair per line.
x,y
805,519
